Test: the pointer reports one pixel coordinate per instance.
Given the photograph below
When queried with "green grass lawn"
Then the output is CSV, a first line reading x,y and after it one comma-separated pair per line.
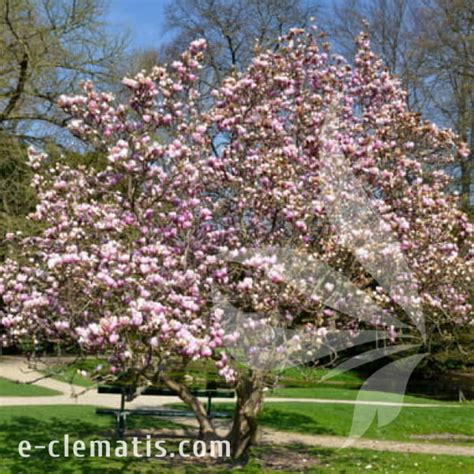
x,y
308,376
200,371
203,371
39,425
9,388
342,393
356,461
69,373
336,419
307,383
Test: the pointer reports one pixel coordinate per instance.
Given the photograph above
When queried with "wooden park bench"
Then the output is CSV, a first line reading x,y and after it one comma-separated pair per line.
x,y
129,393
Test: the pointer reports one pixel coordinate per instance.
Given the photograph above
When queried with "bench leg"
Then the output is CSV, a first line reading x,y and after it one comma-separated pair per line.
x,y
120,425
121,418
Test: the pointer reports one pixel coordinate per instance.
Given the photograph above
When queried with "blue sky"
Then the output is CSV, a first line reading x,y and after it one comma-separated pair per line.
x,y
142,18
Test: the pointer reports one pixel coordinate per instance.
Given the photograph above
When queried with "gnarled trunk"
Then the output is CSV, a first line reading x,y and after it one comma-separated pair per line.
x,y
243,433
206,431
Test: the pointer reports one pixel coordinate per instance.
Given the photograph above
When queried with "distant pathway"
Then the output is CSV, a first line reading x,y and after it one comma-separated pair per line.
x,y
281,437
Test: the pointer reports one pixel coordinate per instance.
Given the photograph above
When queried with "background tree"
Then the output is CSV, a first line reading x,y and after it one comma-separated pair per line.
x,y
443,43
17,197
233,28
46,48
142,59
429,45
391,24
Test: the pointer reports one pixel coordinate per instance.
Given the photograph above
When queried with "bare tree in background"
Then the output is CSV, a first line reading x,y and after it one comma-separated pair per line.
x,y
137,60
391,24
443,42
430,45
46,48
232,27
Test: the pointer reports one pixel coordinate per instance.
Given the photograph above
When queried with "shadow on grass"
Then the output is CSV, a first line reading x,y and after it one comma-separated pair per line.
x,y
39,429
287,421
279,418
40,432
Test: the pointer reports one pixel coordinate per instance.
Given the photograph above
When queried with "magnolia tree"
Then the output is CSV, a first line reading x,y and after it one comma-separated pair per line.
x,y
150,260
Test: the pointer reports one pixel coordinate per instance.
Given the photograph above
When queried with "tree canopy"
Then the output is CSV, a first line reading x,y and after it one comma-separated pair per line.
x,y
299,151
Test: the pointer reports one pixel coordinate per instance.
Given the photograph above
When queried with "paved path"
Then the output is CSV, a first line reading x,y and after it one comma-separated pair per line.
x,y
281,437
16,369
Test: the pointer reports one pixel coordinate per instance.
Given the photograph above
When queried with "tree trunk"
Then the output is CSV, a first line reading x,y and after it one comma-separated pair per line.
x,y
206,431
466,181
243,433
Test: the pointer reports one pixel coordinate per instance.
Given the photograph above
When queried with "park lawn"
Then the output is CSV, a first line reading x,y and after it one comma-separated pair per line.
x,y
355,461
336,419
39,425
296,383
333,419
306,383
9,388
309,376
200,371
69,375
293,382
335,392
